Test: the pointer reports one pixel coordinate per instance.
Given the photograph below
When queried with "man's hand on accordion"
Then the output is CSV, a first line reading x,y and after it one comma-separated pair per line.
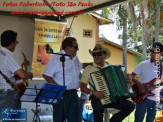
x,y
98,94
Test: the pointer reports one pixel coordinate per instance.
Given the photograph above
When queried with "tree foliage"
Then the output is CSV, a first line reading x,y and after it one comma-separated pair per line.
x,y
145,13
141,22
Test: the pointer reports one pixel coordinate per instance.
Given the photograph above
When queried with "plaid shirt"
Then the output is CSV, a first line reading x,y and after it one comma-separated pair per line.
x,y
8,66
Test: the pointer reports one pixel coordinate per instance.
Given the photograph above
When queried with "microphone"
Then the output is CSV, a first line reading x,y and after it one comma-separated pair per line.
x,y
48,49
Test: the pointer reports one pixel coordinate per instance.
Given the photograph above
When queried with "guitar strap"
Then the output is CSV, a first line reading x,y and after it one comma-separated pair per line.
x,y
7,79
10,82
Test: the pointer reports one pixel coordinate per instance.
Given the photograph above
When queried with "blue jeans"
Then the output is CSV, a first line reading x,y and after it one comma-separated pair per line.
x,y
70,107
148,106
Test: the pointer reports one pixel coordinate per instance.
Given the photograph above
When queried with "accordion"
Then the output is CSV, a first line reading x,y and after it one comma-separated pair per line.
x,y
112,82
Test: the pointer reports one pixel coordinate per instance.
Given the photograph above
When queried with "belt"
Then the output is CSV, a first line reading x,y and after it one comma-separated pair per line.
x,y
71,90
7,90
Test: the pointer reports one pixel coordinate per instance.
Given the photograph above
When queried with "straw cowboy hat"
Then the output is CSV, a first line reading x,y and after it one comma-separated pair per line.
x,y
100,48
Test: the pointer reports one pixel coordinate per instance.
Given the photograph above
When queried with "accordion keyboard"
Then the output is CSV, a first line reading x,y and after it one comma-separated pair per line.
x,y
100,85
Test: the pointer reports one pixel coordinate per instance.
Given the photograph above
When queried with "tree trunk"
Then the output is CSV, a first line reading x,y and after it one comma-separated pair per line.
x,y
157,27
144,9
144,41
125,45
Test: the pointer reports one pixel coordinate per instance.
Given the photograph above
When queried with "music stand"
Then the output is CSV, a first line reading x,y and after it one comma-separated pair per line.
x,y
45,93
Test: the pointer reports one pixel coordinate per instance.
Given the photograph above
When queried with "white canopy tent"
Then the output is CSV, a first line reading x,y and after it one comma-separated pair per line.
x,y
24,25
7,6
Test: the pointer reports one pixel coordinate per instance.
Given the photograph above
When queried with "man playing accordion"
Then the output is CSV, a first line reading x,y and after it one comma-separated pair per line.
x,y
99,55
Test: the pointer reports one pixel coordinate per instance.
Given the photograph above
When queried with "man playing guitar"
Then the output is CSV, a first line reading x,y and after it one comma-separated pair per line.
x,y
9,98
150,73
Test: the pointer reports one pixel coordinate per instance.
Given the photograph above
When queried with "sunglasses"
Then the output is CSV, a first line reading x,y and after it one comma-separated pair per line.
x,y
75,47
98,54
153,51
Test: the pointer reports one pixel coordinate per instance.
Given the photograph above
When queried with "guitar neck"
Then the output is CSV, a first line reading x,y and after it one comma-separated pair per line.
x,y
155,86
10,82
25,67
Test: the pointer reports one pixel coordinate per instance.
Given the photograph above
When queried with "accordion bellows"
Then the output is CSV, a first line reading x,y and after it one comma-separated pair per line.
x,y
112,82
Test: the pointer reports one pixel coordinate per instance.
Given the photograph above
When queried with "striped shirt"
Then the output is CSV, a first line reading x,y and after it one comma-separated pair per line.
x,y
86,78
8,66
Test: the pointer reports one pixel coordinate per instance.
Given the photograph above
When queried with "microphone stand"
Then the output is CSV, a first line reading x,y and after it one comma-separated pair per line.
x,y
62,59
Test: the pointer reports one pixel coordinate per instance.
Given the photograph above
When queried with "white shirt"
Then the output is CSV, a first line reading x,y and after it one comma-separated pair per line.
x,y
72,71
147,72
8,66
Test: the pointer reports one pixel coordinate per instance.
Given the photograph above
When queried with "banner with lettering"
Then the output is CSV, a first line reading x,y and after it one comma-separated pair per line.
x,y
46,33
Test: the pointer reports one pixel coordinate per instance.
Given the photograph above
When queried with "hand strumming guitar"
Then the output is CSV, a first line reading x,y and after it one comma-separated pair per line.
x,y
141,88
29,75
139,85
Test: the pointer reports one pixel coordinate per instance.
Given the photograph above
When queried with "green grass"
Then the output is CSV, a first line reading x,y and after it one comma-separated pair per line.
x,y
131,117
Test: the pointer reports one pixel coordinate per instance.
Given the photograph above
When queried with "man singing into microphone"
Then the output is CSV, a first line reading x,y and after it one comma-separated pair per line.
x,y
54,74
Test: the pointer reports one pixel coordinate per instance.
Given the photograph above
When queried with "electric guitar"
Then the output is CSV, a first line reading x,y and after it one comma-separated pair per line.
x,y
138,97
21,83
